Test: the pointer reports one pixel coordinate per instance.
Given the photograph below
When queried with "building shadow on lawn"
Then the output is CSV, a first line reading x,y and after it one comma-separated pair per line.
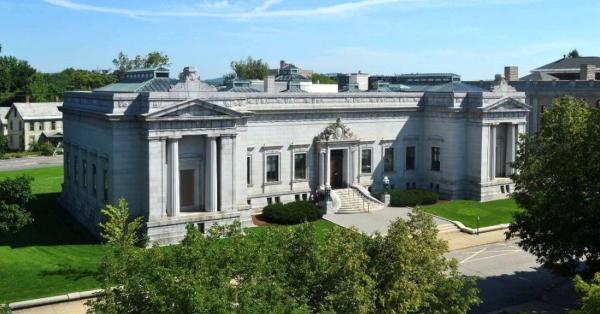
x,y
52,225
550,292
69,272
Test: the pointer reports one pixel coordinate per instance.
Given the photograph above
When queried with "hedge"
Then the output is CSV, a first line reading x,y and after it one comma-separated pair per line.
x,y
413,197
291,213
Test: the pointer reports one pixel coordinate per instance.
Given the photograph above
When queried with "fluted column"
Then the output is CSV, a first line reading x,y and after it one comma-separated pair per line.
x,y
173,173
211,195
327,168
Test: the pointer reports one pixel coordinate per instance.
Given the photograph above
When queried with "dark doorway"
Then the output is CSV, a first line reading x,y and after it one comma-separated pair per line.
x,y
336,162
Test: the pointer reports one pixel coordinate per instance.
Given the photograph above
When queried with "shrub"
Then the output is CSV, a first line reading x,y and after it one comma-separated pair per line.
x,y
45,149
413,197
292,213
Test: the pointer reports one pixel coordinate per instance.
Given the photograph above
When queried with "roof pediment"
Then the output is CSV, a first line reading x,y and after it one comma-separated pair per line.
x,y
507,104
195,109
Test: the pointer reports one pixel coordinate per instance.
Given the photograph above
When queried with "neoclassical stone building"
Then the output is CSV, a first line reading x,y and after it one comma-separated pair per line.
x,y
181,152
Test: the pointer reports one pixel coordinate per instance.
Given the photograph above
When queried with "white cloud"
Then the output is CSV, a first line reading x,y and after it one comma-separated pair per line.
x,y
264,9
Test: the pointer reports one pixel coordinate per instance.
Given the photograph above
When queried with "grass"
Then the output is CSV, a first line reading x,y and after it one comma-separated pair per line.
x,y
55,255
466,211
321,229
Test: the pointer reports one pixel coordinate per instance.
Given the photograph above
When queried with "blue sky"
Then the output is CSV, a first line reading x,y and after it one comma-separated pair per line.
x,y
474,38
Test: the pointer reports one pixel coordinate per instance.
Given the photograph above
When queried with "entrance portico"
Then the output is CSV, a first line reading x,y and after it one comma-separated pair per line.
x,y
338,157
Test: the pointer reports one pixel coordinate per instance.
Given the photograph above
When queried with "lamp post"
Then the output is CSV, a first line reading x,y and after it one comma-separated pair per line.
x,y
385,195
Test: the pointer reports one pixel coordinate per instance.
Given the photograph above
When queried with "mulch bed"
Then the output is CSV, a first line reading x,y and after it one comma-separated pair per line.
x,y
256,219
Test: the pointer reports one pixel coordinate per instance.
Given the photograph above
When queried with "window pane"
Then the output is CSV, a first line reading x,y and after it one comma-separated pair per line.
x,y
410,158
388,159
365,163
248,170
272,168
300,166
435,158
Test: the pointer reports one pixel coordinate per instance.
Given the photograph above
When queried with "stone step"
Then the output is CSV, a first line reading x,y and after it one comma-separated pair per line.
x,y
447,228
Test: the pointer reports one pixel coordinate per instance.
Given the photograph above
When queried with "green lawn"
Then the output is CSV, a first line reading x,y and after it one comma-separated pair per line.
x,y
55,255
321,229
466,211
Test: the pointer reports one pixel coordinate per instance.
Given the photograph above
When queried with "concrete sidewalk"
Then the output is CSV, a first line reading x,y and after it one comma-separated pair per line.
x,y
461,240
71,307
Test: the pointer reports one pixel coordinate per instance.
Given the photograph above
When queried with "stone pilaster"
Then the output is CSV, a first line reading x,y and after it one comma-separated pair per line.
x,y
511,141
355,172
173,173
492,159
321,169
228,173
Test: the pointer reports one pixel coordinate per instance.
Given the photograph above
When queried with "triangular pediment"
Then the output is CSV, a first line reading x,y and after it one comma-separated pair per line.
x,y
195,108
507,104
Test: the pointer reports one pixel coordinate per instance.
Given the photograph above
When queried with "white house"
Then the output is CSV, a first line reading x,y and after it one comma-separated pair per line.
x,y
181,152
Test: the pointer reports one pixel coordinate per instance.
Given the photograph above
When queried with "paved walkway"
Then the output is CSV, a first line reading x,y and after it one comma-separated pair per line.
x,y
30,162
71,307
373,221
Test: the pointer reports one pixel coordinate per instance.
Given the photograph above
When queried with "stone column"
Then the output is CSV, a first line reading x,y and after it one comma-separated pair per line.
x,y
173,173
511,148
227,170
210,181
492,159
321,169
157,193
355,165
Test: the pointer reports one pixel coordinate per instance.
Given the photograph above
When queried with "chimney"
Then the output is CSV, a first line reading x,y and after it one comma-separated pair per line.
x,y
511,73
269,82
587,72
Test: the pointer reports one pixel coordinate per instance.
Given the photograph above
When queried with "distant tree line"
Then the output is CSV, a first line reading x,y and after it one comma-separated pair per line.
x,y
20,81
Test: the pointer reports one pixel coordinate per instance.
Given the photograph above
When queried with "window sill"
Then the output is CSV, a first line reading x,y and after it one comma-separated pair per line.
x,y
272,183
299,180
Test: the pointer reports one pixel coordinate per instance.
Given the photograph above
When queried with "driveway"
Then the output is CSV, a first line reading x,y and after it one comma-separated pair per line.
x,y
30,162
371,222
511,280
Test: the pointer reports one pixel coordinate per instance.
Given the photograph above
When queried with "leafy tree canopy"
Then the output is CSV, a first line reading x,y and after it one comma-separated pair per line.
x,y
250,68
282,270
590,302
14,76
153,59
15,193
573,54
50,86
557,186
322,79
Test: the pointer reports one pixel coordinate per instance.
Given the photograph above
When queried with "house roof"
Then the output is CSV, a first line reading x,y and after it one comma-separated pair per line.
x,y
38,110
538,76
3,112
569,63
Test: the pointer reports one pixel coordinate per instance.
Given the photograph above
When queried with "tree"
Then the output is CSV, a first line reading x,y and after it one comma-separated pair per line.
x,y
556,183
573,54
322,79
3,143
250,68
152,59
15,193
49,86
590,302
281,270
14,76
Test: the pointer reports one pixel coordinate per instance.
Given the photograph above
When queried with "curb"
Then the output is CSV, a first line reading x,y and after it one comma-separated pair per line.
x,y
468,230
74,296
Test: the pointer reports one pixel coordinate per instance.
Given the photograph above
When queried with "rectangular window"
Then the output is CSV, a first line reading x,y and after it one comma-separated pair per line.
x,y
300,166
53,125
249,170
365,160
11,125
21,126
435,158
94,178
410,158
31,126
105,184
75,170
84,172
388,159
272,168
41,126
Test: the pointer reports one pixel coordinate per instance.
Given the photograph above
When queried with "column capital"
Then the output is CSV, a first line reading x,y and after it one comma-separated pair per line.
x,y
174,137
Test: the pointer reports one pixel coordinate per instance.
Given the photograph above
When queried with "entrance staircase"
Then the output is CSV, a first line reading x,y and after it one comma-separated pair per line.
x,y
352,201
447,228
